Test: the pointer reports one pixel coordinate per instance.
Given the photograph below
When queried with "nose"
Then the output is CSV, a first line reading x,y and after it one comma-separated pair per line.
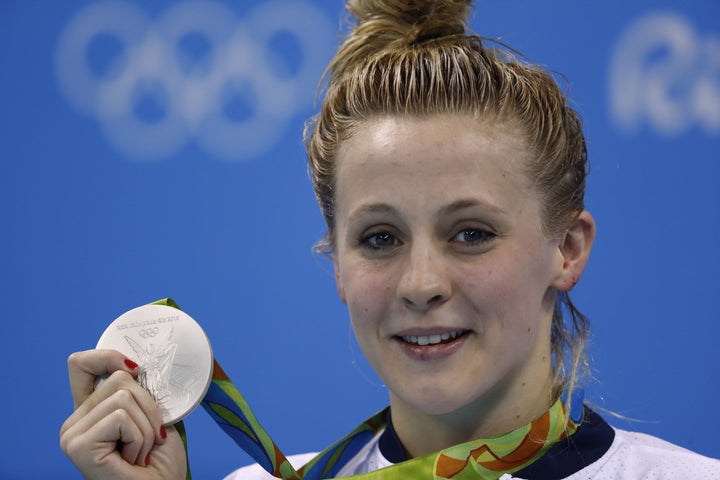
x,y
424,282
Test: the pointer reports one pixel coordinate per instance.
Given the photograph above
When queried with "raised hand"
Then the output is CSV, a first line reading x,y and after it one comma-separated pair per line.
x,y
116,430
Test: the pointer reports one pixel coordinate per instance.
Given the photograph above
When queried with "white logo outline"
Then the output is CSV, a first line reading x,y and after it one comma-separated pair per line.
x,y
194,102
673,93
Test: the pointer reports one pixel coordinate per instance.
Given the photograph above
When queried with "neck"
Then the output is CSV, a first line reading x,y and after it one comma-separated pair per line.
x,y
495,413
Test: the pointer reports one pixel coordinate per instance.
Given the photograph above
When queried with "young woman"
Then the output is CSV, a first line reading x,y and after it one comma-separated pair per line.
x,y
451,177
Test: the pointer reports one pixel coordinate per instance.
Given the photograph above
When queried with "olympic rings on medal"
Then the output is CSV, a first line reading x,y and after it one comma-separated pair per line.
x,y
149,332
234,98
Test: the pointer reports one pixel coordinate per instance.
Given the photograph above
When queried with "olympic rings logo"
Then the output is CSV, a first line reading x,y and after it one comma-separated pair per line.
x,y
149,332
196,72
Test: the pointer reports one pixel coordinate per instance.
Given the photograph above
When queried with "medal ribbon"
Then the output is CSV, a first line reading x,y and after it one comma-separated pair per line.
x,y
484,459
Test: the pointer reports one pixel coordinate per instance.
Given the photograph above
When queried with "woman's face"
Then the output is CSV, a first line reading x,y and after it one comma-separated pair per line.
x,y
441,259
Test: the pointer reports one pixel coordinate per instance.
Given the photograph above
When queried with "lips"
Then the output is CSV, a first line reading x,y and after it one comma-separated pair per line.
x,y
433,339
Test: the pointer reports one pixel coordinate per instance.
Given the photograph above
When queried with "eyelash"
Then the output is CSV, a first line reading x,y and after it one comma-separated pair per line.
x,y
485,236
370,242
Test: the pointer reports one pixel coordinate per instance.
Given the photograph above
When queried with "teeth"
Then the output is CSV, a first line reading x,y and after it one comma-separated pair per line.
x,y
432,339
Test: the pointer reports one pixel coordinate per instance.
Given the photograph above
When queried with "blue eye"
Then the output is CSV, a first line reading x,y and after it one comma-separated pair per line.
x,y
473,236
380,240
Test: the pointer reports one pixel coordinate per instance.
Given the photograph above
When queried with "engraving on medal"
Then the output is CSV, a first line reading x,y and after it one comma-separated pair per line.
x,y
147,322
173,354
155,353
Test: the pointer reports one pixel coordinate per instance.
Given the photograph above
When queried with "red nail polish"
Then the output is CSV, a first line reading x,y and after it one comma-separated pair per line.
x,y
163,433
147,459
130,364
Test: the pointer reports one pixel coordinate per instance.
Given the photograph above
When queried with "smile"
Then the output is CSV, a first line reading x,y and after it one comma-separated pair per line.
x,y
433,339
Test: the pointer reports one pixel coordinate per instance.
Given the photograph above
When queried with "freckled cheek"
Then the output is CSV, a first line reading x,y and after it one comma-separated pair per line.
x,y
503,294
367,296
488,287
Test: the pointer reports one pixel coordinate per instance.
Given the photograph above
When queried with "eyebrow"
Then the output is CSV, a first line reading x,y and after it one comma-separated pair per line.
x,y
458,205
373,208
464,203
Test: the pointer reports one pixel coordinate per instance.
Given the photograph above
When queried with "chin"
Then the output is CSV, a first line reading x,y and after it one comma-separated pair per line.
x,y
436,401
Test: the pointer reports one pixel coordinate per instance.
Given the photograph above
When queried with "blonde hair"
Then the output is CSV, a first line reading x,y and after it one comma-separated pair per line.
x,y
417,57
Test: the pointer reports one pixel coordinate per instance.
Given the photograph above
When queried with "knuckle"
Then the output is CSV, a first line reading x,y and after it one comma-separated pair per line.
x,y
64,441
119,416
123,396
64,428
73,359
71,446
120,377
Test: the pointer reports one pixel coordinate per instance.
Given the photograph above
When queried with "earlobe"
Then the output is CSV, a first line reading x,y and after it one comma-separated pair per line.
x,y
575,251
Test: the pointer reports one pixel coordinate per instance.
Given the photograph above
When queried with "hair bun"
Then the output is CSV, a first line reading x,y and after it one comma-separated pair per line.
x,y
415,21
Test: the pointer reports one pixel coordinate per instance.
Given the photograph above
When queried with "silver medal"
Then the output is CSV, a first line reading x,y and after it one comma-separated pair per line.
x,y
172,351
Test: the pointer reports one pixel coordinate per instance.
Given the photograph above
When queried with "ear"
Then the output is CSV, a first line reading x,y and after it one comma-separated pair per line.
x,y
575,249
338,280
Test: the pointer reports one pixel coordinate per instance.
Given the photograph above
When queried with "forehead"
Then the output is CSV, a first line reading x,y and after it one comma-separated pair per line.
x,y
400,150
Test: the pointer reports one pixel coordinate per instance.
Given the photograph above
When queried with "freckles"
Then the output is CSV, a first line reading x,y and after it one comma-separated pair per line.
x,y
368,298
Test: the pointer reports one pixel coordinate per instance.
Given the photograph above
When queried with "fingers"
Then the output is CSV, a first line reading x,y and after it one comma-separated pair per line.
x,y
89,444
118,418
84,367
121,391
116,425
95,453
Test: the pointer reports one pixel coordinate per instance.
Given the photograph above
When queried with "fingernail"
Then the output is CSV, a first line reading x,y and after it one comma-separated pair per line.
x,y
130,364
147,459
163,433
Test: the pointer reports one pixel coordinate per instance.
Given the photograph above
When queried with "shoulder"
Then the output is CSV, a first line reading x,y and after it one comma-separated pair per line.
x,y
666,456
639,456
256,472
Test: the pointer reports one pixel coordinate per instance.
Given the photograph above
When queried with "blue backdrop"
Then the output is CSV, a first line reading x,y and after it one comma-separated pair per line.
x,y
153,149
